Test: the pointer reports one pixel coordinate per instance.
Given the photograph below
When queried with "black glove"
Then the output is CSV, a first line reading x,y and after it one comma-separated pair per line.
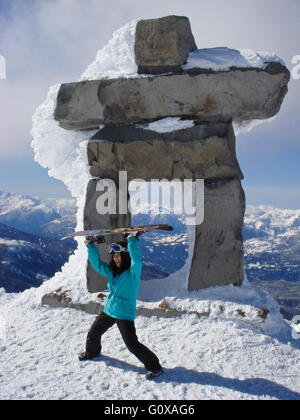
x,y
135,234
96,239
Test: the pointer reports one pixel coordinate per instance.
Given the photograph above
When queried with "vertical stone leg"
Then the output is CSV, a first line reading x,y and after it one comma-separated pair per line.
x,y
218,255
93,220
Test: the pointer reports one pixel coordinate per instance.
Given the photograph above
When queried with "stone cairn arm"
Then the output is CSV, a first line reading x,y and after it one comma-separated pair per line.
x,y
213,99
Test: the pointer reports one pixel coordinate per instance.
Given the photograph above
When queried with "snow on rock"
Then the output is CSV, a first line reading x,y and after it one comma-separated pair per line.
x,y
67,161
166,125
116,59
244,304
224,58
247,126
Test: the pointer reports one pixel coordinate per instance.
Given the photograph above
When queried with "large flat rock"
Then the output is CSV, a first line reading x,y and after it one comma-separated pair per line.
x,y
163,45
205,151
238,94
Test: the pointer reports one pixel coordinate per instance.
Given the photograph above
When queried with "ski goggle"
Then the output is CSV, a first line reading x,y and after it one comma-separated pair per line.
x,y
117,248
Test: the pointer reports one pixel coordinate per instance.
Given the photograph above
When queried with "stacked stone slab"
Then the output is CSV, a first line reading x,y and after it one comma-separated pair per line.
x,y
206,151
203,95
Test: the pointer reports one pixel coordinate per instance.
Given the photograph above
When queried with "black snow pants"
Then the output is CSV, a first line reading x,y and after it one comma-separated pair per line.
x,y
127,329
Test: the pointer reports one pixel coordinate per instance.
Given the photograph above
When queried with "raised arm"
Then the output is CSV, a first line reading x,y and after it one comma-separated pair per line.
x,y
135,255
100,266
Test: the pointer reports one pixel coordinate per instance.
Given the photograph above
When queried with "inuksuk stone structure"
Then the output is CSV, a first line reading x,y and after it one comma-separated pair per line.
x,y
212,99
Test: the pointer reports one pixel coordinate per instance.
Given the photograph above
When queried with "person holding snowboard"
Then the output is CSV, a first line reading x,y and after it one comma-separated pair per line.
x,y
123,274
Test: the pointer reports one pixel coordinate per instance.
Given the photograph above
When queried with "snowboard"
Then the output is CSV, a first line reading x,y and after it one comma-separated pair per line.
x,y
133,229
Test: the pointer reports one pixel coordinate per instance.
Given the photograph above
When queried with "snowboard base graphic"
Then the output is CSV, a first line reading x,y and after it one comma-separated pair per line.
x,y
125,230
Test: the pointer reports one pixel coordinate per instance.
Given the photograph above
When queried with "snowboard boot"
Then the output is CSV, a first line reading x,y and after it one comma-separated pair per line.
x,y
87,356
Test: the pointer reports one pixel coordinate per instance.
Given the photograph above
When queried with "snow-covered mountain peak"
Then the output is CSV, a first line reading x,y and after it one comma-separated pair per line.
x,y
12,202
32,215
271,219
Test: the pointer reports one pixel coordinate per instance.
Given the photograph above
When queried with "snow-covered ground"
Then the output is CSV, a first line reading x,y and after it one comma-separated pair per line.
x,y
223,356
230,352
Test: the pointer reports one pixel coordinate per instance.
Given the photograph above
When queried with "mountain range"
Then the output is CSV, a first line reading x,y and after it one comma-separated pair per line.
x,y
30,249
50,218
272,254
31,252
28,260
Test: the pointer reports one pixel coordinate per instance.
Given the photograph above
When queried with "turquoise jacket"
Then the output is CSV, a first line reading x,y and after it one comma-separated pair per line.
x,y
123,289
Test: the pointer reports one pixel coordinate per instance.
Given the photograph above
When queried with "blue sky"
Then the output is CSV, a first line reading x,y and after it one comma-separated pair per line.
x,y
47,42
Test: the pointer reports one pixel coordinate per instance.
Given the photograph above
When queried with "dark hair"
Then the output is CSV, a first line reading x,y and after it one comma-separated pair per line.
x,y
125,264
